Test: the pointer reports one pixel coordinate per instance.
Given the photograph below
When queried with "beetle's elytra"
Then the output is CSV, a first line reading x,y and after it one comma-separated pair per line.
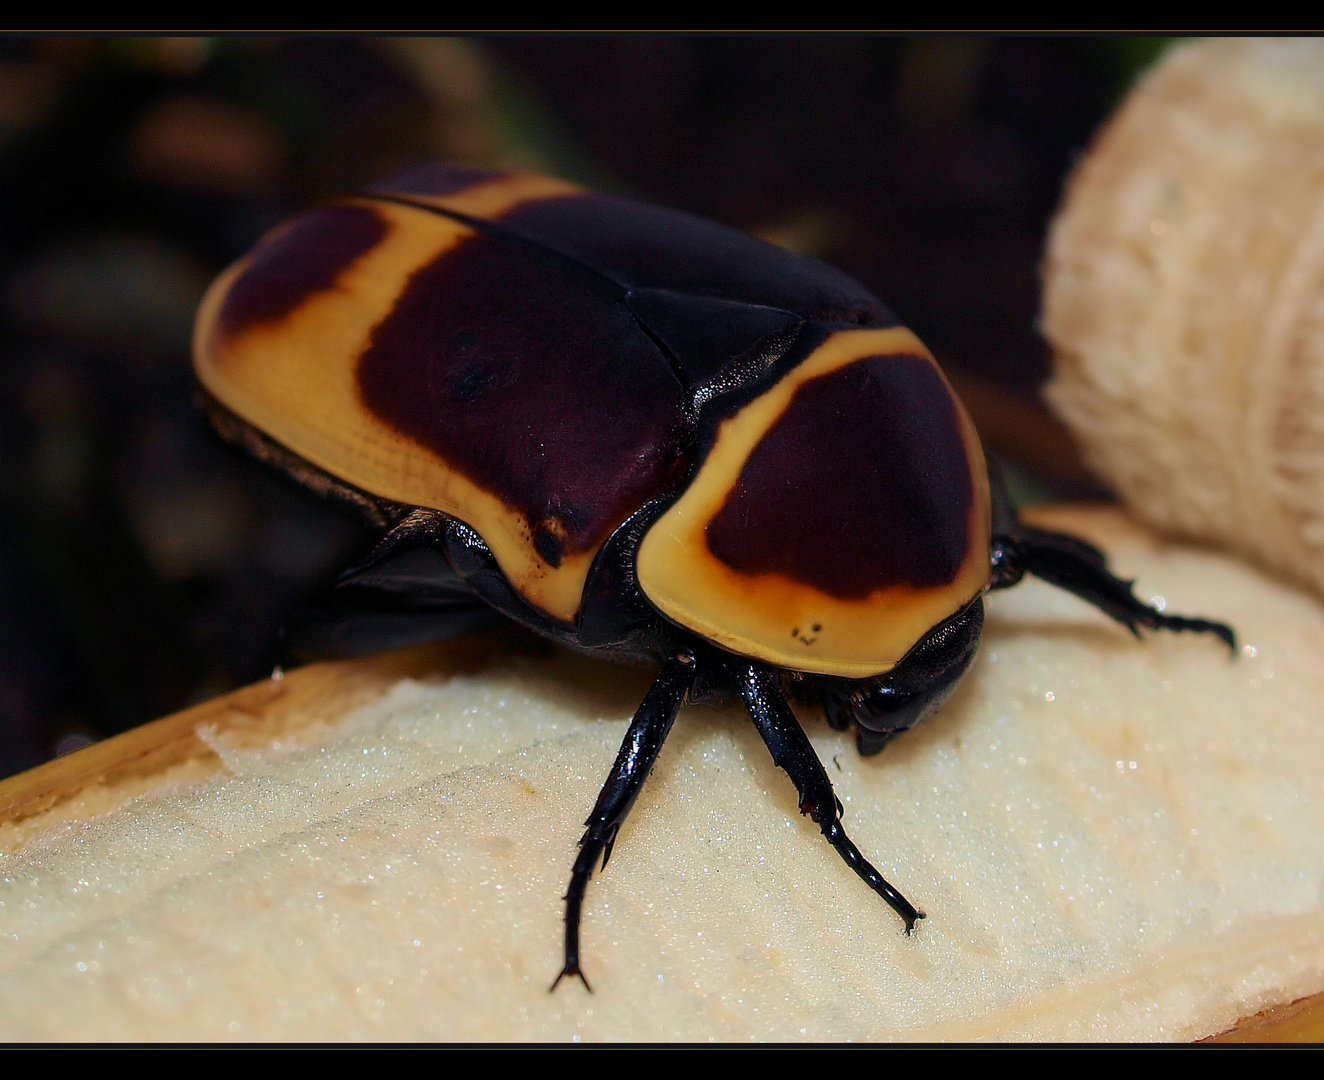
x,y
640,434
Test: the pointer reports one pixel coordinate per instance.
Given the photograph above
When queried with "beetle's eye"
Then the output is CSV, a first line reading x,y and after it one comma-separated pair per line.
x,y
837,518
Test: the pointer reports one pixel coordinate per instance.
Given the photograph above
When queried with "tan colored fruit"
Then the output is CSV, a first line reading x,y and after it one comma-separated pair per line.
x,y
1184,299
1113,839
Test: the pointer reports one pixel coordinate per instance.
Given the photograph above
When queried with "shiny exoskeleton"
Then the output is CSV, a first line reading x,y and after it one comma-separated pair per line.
x,y
644,436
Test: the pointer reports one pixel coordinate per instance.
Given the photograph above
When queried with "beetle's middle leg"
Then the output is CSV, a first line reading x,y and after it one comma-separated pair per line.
x,y
792,751
648,731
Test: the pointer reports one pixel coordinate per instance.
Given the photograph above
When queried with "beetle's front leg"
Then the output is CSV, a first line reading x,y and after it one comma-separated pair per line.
x,y
648,731
1076,566
1080,568
792,751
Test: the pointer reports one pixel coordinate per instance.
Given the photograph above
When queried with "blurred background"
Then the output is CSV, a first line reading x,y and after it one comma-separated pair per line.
x,y
144,566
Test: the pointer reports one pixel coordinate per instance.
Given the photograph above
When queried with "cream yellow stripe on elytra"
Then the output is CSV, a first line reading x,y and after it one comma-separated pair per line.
x,y
295,380
754,615
491,198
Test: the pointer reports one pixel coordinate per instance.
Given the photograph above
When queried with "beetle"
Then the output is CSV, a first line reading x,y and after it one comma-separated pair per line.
x,y
644,436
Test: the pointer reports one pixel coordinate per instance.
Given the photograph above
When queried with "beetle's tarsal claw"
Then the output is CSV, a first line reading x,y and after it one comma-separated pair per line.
x,y
1223,632
573,971
910,923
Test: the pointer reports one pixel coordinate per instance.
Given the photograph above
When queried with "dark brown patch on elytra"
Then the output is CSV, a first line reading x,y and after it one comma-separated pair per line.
x,y
527,374
435,179
862,483
304,259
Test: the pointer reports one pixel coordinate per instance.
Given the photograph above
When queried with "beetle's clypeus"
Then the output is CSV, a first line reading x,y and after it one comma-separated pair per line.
x,y
640,434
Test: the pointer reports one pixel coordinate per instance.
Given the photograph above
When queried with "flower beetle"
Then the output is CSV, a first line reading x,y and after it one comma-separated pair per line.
x,y
643,435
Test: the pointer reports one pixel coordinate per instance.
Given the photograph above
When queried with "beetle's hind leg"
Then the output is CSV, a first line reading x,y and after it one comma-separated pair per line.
x,y
791,750
648,731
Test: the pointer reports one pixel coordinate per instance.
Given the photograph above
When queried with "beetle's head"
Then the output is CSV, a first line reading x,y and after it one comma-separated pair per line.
x,y
836,519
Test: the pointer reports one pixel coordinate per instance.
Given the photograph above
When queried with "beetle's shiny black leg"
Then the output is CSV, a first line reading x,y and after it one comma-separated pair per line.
x,y
1081,568
648,731
1072,564
792,751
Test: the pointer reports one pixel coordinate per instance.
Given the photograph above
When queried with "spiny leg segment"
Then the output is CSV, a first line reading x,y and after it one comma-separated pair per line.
x,y
791,750
1070,563
760,689
648,731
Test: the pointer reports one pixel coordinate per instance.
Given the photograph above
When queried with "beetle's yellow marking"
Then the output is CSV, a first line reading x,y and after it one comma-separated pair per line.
x,y
767,615
492,198
295,379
